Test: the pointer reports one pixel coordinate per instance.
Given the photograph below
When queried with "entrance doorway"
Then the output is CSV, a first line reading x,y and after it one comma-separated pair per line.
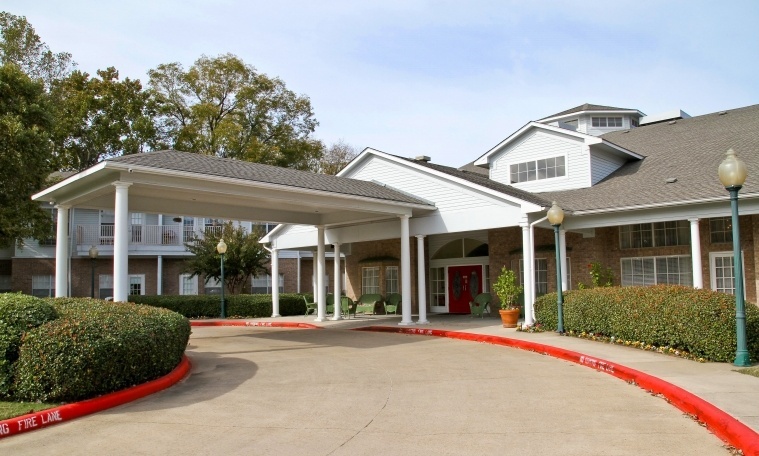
x,y
464,283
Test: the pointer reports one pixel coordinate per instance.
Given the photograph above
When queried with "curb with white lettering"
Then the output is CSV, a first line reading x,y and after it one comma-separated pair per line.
x,y
267,324
67,412
721,424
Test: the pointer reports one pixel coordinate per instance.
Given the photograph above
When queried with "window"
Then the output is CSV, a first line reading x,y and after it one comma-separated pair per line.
x,y
486,288
540,274
136,220
188,229
43,286
50,241
212,287
370,280
723,273
391,279
5,283
660,234
546,168
188,285
437,287
262,284
634,122
105,287
136,284
644,271
607,122
721,229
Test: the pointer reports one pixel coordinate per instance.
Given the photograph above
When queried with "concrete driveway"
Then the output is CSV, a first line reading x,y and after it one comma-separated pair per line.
x,y
257,391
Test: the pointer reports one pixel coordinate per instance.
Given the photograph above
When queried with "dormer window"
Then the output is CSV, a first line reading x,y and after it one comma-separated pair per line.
x,y
634,122
546,168
607,122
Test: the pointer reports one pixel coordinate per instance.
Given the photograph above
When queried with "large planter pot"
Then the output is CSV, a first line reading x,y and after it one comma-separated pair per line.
x,y
509,317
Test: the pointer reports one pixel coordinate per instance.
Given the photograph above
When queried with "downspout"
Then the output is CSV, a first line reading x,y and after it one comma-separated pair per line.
x,y
297,285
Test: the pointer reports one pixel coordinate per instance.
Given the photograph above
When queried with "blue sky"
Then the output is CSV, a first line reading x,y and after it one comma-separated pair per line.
x,y
448,79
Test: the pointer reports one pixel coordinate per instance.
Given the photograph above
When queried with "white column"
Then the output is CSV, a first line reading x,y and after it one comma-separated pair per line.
x,y
159,279
338,286
319,294
62,252
275,283
563,252
695,254
405,272
297,284
421,283
121,243
529,315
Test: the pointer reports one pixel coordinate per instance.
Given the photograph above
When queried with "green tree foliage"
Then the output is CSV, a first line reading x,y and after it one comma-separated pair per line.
x,y
25,156
335,158
20,45
223,107
245,257
100,117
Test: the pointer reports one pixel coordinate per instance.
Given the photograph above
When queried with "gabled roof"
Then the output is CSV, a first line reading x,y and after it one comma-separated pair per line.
x,y
689,150
587,107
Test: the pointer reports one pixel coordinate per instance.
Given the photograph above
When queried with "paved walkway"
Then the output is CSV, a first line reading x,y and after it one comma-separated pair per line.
x,y
336,392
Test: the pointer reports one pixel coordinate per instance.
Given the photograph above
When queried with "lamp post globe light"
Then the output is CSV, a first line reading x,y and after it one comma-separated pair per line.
x,y
732,173
221,247
555,218
94,259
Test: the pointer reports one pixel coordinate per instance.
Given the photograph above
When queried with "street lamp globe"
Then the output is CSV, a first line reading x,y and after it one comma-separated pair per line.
x,y
94,252
555,214
732,171
221,247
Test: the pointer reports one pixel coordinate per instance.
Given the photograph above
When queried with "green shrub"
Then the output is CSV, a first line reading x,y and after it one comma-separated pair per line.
x,y
238,306
18,313
97,347
701,322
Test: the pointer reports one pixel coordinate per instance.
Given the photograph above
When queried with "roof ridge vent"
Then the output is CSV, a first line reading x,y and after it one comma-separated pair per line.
x,y
672,122
422,158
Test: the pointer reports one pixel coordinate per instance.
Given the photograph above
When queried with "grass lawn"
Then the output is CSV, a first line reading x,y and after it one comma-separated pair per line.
x,y
13,409
754,370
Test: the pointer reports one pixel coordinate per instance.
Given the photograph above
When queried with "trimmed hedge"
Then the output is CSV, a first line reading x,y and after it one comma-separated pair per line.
x,y
238,306
701,322
97,347
18,313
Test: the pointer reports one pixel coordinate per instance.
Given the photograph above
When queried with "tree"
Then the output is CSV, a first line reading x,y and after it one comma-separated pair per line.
x,y
335,158
25,156
21,45
245,257
98,118
223,107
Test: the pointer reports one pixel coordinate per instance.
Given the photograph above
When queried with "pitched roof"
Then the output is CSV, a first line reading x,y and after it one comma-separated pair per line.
x,y
484,181
255,172
587,107
689,150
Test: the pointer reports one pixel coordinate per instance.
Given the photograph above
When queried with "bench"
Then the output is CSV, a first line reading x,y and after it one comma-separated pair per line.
x,y
367,302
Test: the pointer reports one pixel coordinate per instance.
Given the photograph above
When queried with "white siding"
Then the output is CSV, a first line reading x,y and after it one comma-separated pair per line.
x,y
544,144
86,216
603,164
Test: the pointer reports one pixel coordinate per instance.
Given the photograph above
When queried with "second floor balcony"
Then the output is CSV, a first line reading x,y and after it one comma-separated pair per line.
x,y
141,237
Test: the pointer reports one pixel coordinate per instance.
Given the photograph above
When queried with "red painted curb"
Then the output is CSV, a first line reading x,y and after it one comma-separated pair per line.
x,y
44,418
270,324
721,424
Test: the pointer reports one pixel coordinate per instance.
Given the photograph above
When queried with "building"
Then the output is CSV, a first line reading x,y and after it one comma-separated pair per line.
x,y
641,193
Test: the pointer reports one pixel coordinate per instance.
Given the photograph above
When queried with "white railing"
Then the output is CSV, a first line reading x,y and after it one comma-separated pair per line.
x,y
87,235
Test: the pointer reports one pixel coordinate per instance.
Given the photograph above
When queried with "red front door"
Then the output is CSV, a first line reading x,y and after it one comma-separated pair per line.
x,y
464,283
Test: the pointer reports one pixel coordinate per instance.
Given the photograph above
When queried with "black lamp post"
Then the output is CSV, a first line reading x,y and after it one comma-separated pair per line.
x,y
221,247
555,218
732,173
94,259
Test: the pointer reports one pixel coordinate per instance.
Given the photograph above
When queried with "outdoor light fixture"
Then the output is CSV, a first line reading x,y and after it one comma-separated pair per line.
x,y
221,247
732,173
555,218
94,257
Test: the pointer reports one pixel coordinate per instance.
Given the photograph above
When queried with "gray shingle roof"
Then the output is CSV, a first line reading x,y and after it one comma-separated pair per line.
x,y
256,172
689,150
587,107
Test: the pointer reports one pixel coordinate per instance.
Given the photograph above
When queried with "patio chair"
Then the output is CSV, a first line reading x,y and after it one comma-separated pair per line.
x,y
347,306
367,302
392,302
480,305
310,306
330,304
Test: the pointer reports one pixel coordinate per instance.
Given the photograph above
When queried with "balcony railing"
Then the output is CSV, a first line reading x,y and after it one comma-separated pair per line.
x,y
140,234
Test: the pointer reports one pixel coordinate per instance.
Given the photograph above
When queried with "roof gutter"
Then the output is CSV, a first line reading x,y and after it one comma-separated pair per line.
x,y
654,205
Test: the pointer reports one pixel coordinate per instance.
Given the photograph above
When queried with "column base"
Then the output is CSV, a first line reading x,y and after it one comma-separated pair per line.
x,y
742,359
336,318
320,319
275,315
406,323
422,322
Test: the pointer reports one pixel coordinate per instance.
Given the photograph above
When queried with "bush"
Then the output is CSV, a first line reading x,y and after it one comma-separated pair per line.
x,y
18,313
238,306
97,347
701,322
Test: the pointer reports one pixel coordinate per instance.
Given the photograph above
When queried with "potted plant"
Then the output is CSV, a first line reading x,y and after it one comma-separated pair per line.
x,y
507,290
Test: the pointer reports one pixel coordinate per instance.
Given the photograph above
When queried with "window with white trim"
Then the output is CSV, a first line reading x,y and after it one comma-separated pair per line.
x,y
262,284
136,284
546,168
721,229
391,279
606,122
5,284
437,287
43,286
659,234
540,274
105,286
212,286
723,273
50,241
644,271
188,284
370,280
